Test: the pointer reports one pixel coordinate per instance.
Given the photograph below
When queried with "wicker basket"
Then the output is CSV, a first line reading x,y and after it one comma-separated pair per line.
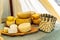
x,y
47,23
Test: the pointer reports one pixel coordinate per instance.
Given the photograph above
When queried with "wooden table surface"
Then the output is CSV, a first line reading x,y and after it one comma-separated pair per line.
x,y
54,35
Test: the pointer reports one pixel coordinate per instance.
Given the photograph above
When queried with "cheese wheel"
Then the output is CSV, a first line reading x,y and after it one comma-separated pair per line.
x,y
20,21
36,16
24,27
24,15
8,23
10,18
36,21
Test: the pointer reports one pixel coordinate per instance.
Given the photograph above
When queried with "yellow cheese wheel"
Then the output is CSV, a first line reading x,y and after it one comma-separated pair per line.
x,y
10,18
20,21
23,15
36,21
8,23
36,16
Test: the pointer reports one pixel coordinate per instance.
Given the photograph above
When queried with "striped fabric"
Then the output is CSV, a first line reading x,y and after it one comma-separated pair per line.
x,y
31,5
50,8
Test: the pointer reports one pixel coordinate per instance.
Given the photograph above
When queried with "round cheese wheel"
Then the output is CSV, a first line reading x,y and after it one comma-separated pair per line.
x,y
24,27
8,23
10,18
20,21
23,15
36,16
36,21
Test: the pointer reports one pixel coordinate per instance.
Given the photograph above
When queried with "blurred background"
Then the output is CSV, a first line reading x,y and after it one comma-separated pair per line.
x,y
40,6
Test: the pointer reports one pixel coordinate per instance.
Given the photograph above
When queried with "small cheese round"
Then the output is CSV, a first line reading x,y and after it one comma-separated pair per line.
x,y
10,18
24,27
36,21
8,23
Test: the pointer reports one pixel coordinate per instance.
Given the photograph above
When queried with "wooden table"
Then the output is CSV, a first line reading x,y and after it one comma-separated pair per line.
x,y
54,35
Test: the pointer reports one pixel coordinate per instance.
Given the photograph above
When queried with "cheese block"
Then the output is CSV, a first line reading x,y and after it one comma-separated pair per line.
x,y
24,27
6,29
20,21
13,29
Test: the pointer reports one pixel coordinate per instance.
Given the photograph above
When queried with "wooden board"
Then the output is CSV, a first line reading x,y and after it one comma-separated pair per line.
x,y
33,30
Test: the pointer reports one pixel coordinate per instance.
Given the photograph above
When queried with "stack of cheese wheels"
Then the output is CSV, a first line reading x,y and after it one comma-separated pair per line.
x,y
23,17
24,27
47,23
10,20
36,18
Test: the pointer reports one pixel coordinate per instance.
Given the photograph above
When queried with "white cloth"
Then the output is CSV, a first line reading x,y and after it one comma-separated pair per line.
x,y
55,6
1,8
32,5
